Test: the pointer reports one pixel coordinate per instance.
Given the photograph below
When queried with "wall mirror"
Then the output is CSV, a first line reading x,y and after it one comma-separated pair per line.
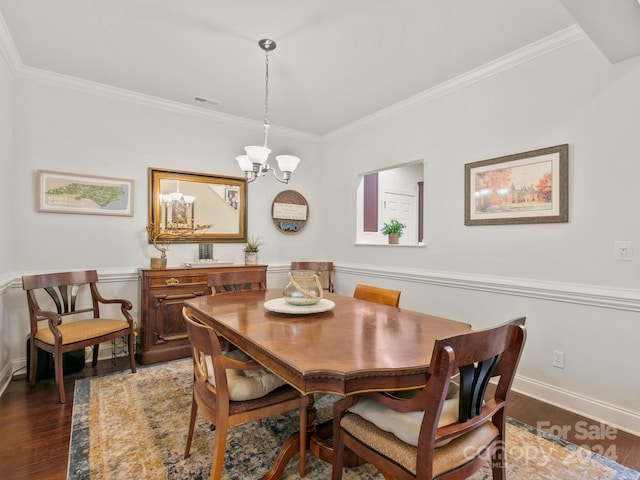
x,y
187,207
392,193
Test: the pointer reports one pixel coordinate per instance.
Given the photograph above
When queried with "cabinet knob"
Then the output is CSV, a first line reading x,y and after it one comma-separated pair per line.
x,y
172,281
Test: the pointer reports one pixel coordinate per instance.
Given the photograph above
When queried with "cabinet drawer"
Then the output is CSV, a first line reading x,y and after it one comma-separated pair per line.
x,y
177,280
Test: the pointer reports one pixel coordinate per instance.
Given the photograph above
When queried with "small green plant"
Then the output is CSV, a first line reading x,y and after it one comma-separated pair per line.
x,y
253,245
393,227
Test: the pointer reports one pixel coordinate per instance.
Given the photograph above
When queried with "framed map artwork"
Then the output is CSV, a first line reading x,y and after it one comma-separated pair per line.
x,y
76,193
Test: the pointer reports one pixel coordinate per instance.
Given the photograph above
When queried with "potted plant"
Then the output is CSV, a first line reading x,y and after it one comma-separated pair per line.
x,y
394,230
251,250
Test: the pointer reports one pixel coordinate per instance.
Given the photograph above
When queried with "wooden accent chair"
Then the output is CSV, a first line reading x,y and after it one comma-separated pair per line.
x,y
232,391
384,296
323,269
228,282
456,429
71,327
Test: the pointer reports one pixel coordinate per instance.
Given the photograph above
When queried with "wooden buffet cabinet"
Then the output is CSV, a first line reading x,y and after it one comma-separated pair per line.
x,y
163,335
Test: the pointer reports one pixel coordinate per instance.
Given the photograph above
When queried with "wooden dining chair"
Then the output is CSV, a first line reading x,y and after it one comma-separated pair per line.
x,y
65,323
229,282
232,389
447,430
322,269
384,296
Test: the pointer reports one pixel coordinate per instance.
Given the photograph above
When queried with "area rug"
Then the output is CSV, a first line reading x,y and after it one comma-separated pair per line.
x,y
134,426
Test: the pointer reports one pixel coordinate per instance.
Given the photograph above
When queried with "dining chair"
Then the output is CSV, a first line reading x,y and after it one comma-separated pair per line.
x,y
63,322
450,428
384,296
232,389
229,282
322,269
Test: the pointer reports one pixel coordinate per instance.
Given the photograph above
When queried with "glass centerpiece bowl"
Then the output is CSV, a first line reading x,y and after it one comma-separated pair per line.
x,y
304,288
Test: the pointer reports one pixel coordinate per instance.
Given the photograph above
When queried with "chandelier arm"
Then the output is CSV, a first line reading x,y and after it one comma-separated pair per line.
x,y
285,176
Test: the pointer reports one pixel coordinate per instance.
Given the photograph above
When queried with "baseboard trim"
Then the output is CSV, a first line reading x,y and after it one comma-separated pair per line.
x,y
616,417
5,377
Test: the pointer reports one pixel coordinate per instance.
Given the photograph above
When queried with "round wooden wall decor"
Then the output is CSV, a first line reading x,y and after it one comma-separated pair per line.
x,y
289,211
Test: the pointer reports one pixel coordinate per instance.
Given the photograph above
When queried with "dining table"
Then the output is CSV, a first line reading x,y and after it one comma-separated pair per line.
x,y
341,345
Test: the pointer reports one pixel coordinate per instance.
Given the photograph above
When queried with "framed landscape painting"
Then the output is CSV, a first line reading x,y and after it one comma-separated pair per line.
x,y
528,187
75,193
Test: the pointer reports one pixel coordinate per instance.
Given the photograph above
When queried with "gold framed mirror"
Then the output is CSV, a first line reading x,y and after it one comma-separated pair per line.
x,y
187,207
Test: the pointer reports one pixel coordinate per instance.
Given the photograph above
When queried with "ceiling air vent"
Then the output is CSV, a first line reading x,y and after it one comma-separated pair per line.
x,y
207,101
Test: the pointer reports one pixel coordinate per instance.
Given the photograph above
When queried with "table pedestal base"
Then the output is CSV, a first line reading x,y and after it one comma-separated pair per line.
x,y
319,443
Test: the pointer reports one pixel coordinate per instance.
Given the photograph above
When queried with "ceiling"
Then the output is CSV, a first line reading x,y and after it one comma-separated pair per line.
x,y
336,61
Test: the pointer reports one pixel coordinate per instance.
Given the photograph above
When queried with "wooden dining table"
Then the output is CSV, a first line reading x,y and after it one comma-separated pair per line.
x,y
352,346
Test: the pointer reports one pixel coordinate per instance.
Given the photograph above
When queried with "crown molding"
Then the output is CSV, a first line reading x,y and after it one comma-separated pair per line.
x,y
8,48
94,88
541,47
546,45
20,70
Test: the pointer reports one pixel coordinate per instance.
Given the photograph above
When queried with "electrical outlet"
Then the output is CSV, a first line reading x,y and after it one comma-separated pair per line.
x,y
558,359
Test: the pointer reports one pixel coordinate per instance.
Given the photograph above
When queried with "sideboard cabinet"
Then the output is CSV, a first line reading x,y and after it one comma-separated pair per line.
x,y
163,335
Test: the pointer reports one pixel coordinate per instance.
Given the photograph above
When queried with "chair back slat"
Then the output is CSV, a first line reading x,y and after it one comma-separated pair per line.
x,y
474,380
64,297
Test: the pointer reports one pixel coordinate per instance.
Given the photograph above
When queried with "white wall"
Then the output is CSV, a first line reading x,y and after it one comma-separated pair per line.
x,y
6,132
555,274
73,130
561,276
6,219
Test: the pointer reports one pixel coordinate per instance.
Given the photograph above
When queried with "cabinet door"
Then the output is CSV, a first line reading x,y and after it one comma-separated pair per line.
x,y
168,309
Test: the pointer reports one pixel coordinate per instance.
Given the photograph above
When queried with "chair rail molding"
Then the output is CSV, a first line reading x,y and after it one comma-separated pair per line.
x,y
105,275
591,295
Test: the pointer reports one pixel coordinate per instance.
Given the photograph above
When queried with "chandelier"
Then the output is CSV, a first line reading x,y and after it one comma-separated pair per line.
x,y
254,163
178,210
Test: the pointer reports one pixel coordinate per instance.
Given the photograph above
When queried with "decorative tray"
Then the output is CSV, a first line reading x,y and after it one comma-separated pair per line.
x,y
207,263
280,305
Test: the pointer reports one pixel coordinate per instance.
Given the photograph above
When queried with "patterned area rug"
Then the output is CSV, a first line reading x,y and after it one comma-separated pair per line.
x,y
129,426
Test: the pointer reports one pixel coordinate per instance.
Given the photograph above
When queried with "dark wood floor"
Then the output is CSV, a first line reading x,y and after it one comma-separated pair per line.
x,y
35,428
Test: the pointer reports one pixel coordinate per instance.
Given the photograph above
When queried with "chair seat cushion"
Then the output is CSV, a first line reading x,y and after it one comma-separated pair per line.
x,y
246,384
80,330
406,425
459,451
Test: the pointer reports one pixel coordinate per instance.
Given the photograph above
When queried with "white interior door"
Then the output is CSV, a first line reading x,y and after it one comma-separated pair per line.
x,y
402,207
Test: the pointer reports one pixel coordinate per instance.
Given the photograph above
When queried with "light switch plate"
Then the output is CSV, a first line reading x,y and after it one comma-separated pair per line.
x,y
623,250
